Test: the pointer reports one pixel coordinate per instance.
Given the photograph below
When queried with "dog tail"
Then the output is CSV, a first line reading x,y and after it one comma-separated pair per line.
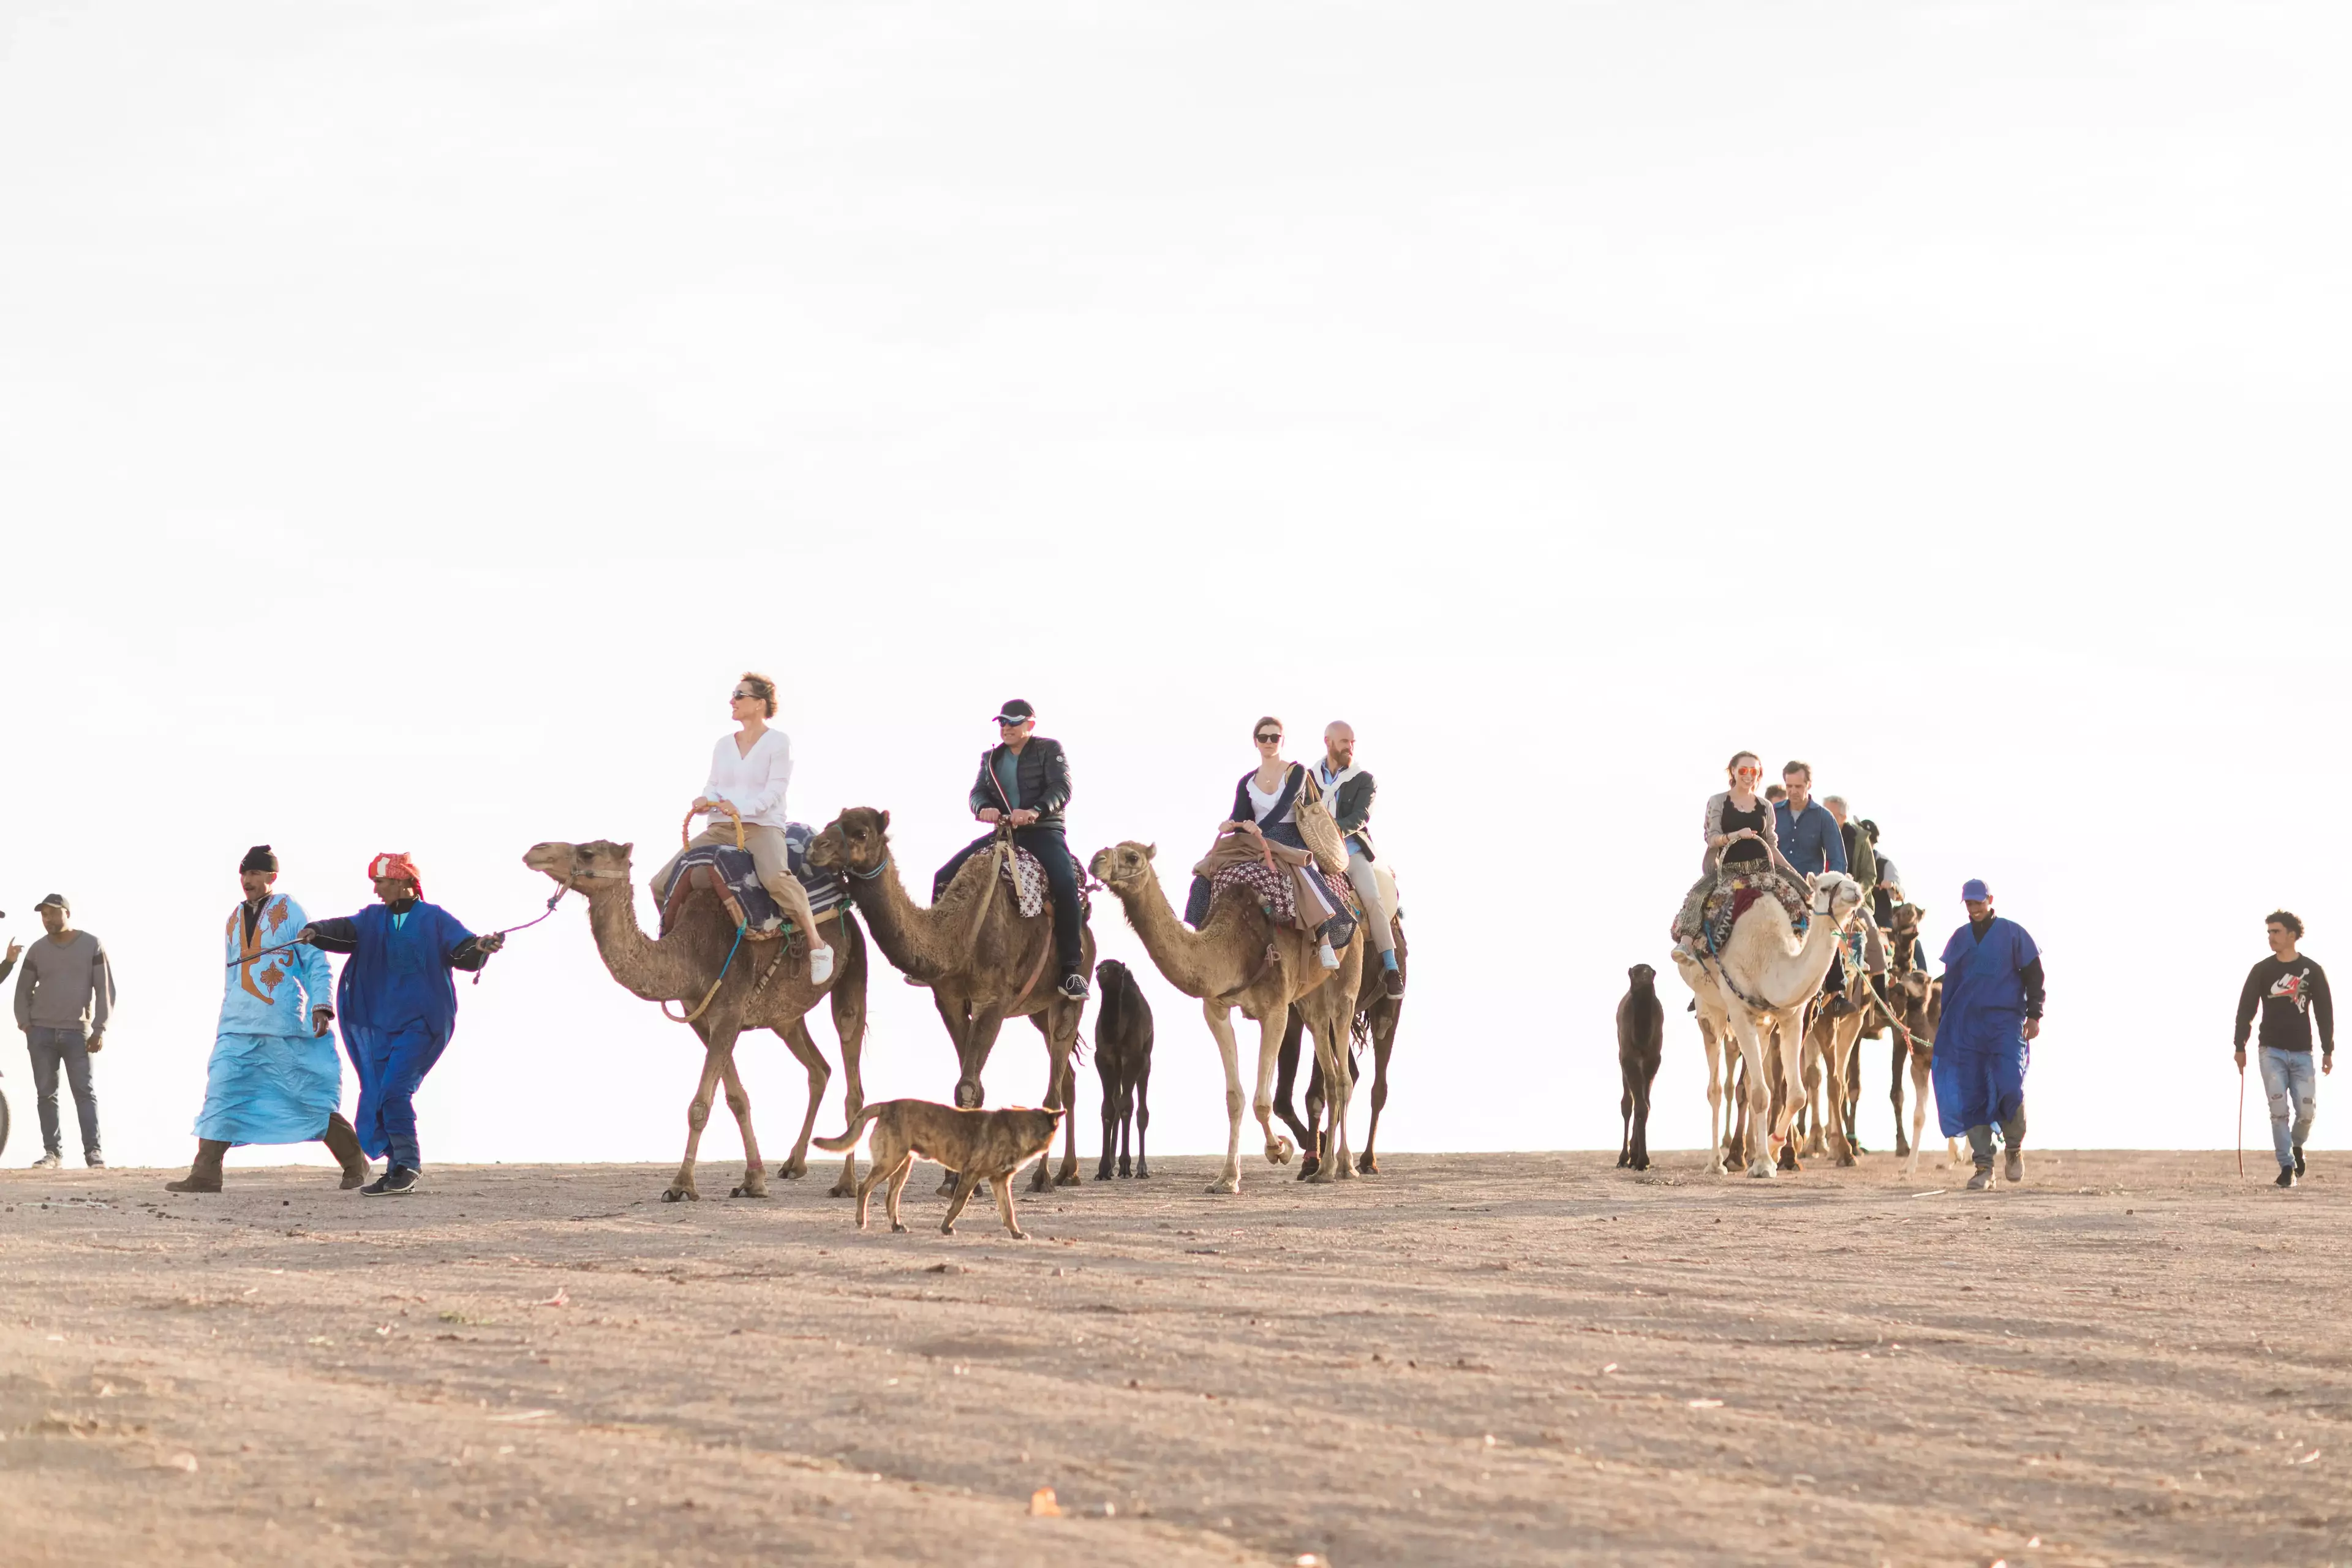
x,y
848,1139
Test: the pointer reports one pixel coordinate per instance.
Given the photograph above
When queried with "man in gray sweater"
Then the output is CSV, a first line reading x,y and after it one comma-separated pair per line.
x,y
64,995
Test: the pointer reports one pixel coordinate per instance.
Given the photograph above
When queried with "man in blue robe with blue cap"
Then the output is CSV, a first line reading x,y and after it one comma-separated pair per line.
x,y
397,1006
1993,1008
274,1077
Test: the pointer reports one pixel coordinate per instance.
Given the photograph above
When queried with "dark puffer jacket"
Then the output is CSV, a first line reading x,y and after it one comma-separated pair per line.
x,y
1045,777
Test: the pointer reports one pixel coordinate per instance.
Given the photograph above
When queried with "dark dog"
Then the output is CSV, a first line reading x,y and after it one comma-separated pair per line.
x,y
1123,1058
978,1145
1641,1041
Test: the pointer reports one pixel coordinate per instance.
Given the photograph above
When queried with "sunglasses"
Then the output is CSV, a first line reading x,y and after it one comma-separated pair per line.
x,y
739,696
1751,772
1269,740
1003,722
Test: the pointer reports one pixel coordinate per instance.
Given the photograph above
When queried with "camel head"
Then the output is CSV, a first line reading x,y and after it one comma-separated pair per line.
x,y
1643,976
1907,920
857,840
1125,867
573,864
1836,896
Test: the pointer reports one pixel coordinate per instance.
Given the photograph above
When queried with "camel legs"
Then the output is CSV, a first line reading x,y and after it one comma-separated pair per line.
x,y
1922,1062
1810,1054
1384,1024
1751,1054
850,1025
716,1063
1338,1081
1792,1044
1717,1075
1285,1076
738,1101
1269,1055
804,1045
1061,1094
1843,1039
1894,1093
1221,1025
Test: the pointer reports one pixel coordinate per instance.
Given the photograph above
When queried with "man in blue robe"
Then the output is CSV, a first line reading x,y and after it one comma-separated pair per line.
x,y
274,1077
397,1005
1993,1008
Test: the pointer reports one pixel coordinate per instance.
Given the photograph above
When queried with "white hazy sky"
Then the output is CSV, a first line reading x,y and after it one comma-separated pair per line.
x,y
413,415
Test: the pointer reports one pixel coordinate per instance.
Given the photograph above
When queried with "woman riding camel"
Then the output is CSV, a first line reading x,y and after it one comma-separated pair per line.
x,y
1265,807
1740,839
750,771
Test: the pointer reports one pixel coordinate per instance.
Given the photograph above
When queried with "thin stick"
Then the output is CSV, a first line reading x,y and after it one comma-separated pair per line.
x,y
2241,1123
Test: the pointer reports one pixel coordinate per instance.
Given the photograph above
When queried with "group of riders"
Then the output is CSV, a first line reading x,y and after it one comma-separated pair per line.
x,y
1023,786
1758,832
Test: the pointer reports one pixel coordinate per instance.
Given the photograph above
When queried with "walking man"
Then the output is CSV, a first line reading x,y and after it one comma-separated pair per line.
x,y
1347,791
274,1077
397,1006
2290,989
1025,779
1993,1010
64,994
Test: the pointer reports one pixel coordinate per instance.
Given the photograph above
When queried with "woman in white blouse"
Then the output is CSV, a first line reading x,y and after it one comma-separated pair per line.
x,y
748,771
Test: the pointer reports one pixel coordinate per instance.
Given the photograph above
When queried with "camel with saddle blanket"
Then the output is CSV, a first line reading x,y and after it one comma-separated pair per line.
x,y
983,950
1759,958
1254,951
727,958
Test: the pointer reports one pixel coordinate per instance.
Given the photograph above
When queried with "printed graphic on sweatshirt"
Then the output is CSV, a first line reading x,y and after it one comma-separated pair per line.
x,y
2292,987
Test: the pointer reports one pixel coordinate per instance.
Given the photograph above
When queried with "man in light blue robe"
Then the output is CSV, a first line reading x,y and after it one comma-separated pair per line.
x,y
1992,1009
274,1076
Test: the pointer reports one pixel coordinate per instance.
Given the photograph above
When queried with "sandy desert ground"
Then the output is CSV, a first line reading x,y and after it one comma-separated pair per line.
x,y
1484,1359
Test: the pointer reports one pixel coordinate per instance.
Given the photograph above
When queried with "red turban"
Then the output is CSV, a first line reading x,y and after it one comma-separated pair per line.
x,y
396,864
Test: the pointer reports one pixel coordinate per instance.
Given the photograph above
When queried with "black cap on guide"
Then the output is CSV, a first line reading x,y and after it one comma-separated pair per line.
x,y
260,858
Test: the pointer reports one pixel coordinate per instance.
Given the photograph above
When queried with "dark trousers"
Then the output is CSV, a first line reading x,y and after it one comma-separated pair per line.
x,y
1045,841
50,1049
392,1064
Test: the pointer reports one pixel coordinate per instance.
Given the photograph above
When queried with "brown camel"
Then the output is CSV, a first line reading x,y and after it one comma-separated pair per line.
x,y
983,959
765,985
1239,957
1921,999
1375,1024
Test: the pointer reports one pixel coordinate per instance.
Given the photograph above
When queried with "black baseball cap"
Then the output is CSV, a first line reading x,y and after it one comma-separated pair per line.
x,y
58,901
1015,712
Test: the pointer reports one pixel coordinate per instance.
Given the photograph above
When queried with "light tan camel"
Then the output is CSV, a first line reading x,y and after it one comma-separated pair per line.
x,y
1757,988
1239,957
983,959
765,987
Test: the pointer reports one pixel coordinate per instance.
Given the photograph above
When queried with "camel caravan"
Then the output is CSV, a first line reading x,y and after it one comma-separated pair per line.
x,y
1290,919
1791,965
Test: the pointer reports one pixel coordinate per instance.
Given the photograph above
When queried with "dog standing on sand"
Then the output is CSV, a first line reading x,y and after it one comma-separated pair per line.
x,y
1640,1042
978,1145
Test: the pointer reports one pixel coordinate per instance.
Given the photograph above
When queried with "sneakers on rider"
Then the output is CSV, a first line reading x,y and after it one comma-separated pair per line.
x,y
820,965
1324,955
1074,986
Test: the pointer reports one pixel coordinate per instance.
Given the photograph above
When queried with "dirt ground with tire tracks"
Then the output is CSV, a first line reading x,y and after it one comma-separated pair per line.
x,y
1488,1359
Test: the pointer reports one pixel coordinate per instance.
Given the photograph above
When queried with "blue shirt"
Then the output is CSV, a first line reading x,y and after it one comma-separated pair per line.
x,y
1812,842
1007,768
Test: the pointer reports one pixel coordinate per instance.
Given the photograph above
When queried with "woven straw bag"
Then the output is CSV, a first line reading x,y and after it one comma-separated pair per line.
x,y
1316,827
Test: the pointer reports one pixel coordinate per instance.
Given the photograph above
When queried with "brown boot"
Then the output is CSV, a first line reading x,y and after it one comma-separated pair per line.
x,y
344,1144
204,1176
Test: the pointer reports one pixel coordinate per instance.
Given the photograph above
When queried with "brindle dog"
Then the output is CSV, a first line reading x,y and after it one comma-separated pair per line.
x,y
978,1145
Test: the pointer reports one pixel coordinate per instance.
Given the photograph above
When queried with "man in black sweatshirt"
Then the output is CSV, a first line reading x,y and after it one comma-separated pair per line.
x,y
2289,989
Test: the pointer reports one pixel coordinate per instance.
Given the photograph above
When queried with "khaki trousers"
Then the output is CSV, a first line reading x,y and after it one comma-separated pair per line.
x,y
771,861
1367,893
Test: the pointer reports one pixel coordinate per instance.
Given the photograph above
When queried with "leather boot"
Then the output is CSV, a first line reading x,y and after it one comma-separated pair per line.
x,y
344,1143
204,1176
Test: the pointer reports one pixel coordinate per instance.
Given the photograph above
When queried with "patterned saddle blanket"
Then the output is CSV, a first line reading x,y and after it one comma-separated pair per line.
x,y
1277,894
1026,877
731,874
1733,895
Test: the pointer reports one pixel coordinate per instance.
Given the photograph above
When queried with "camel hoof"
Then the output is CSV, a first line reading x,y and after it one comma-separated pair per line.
x,y
1762,1171
1102,1176
1225,1185
1308,1167
1902,1148
1020,1235
1341,1171
844,1190
1847,1162
1280,1150
794,1172
747,1191
1067,1179
1368,1165
1641,1164
681,1195
1715,1167
897,1230
1321,1178
1143,1173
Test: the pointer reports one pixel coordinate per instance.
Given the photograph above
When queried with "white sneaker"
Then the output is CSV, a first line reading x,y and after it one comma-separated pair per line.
x,y
820,965
1331,960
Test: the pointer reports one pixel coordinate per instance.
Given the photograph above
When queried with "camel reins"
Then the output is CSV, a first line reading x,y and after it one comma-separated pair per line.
x,y
554,899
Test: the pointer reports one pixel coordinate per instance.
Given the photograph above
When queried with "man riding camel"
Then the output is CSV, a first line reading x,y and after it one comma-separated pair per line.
x,y
1025,779
1347,791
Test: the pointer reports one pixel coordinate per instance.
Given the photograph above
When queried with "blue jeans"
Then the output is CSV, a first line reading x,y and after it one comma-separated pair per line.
x,y
67,1048
2293,1085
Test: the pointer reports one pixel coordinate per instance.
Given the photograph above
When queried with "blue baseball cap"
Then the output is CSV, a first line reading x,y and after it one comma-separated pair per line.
x,y
1973,890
